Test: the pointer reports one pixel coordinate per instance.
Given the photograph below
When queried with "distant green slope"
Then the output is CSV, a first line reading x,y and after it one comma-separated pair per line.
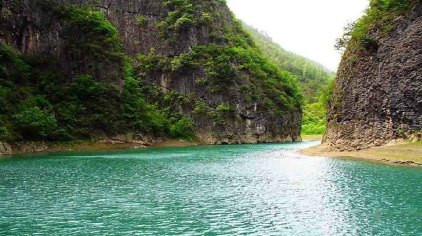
x,y
315,79
311,75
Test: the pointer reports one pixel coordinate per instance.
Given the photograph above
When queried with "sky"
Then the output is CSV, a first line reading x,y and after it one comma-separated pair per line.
x,y
307,27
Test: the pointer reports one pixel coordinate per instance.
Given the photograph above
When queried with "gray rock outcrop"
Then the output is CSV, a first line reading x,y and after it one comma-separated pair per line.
x,y
378,93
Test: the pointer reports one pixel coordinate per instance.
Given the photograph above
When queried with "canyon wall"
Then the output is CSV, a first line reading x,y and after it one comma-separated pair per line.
x,y
378,93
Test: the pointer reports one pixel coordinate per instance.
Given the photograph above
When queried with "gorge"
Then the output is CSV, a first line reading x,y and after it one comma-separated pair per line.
x,y
87,85
137,71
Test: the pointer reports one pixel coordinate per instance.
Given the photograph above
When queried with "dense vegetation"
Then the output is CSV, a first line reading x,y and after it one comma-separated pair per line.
x,y
314,114
106,93
40,102
315,80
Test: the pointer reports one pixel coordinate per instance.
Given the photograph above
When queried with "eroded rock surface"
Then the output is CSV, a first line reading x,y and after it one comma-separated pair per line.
x,y
378,94
5,149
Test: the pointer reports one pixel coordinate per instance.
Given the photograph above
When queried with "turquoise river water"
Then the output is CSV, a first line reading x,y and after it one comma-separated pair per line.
x,y
266,189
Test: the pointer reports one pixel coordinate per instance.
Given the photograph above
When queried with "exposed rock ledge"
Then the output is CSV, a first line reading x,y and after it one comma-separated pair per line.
x,y
5,149
102,142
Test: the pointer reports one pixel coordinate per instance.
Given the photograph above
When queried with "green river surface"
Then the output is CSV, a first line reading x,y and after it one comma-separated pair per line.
x,y
266,189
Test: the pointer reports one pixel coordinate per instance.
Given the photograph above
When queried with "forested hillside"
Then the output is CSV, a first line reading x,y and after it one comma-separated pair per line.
x,y
126,70
315,80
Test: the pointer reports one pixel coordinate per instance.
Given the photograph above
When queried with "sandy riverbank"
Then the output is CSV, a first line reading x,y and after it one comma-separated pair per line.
x,y
316,137
400,153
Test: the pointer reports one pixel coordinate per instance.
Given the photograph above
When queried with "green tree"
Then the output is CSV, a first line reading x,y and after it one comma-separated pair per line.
x,y
36,123
183,128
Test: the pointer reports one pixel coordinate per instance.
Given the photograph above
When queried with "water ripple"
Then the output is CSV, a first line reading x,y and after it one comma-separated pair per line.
x,y
225,190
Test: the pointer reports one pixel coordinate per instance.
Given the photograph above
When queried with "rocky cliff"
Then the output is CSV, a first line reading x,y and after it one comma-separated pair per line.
x,y
189,57
378,94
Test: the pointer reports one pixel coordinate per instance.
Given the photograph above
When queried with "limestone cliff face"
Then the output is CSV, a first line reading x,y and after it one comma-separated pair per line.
x,y
378,93
36,30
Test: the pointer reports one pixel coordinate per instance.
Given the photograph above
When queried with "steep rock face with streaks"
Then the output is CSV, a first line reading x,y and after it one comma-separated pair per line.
x,y
378,94
187,62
